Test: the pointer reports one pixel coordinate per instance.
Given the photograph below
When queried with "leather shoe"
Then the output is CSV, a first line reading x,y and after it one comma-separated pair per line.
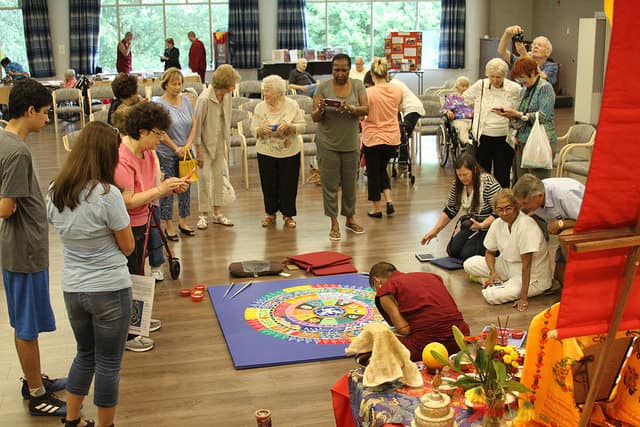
x,y
375,214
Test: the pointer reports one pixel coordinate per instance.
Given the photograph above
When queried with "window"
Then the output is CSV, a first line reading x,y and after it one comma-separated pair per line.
x,y
359,27
12,44
151,22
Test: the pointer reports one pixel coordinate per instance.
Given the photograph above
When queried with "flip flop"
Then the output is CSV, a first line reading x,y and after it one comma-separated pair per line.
x,y
185,231
172,237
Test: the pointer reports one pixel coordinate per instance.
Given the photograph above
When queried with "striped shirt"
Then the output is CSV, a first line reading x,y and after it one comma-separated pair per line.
x,y
489,187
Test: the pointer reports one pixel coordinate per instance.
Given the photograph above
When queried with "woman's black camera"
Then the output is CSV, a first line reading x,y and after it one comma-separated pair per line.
x,y
518,37
465,222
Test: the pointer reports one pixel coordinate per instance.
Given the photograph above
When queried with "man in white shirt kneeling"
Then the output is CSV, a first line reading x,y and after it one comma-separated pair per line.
x,y
522,269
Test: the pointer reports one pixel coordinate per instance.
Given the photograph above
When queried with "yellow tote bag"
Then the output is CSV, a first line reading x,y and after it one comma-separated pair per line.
x,y
188,164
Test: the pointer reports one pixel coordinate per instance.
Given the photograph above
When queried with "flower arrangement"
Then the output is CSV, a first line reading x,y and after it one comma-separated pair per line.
x,y
495,366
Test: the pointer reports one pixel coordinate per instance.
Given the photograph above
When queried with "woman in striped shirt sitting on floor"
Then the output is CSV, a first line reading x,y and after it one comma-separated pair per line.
x,y
471,194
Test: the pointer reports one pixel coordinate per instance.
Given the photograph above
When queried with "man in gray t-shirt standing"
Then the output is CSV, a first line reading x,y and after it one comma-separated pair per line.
x,y
24,244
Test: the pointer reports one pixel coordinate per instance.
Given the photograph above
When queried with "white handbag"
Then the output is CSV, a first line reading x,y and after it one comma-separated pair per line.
x,y
537,153
228,193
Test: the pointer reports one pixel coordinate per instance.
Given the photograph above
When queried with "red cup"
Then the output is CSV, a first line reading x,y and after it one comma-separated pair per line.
x,y
197,297
197,292
185,292
199,287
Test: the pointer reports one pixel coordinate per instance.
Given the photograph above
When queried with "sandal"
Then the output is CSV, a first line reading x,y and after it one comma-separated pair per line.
x,y
289,222
172,237
186,231
268,221
334,234
76,423
373,214
354,228
222,220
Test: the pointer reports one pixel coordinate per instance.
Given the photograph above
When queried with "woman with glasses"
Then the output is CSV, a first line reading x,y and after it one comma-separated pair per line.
x,y
86,207
337,105
138,176
489,128
538,97
522,268
471,194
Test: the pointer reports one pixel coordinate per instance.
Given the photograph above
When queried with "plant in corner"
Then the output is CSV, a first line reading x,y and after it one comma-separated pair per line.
x,y
494,366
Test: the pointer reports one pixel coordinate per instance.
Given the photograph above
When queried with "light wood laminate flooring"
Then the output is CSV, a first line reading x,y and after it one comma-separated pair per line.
x,y
189,379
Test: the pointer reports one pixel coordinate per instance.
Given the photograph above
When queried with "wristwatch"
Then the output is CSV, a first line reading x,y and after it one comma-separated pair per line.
x,y
560,224
524,118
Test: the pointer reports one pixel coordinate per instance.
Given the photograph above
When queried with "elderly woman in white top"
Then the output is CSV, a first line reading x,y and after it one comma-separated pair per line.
x,y
277,123
491,96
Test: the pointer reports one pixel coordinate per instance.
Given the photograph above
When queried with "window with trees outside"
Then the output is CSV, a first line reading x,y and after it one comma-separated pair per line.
x,y
12,42
151,22
359,27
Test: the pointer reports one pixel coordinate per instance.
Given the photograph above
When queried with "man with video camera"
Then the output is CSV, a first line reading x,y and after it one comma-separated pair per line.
x,y
540,51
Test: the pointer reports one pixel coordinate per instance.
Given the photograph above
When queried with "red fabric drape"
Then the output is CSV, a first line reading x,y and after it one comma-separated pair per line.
x,y
612,198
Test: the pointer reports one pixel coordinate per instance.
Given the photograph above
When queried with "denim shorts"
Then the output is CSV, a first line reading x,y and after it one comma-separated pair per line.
x,y
28,303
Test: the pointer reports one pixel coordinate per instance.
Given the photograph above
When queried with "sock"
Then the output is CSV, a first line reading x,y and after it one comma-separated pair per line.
x,y
37,392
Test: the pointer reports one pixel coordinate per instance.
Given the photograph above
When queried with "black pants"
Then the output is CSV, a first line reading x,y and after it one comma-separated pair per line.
x,y
279,181
467,243
377,158
495,154
409,121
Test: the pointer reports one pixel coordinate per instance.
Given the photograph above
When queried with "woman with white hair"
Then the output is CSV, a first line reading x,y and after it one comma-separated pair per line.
x,y
456,110
488,96
70,78
277,123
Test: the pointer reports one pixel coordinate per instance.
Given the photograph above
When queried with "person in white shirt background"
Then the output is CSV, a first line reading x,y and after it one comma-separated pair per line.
x,y
358,71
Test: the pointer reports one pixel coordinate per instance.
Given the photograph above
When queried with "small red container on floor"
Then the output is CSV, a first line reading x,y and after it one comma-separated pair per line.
x,y
185,292
197,297
517,334
199,287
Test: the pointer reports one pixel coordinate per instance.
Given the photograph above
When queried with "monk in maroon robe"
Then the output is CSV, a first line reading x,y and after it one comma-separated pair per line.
x,y
197,56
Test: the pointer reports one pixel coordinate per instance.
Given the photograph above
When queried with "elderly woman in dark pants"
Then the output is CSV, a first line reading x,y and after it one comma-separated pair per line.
x,y
489,128
277,123
175,142
337,105
539,97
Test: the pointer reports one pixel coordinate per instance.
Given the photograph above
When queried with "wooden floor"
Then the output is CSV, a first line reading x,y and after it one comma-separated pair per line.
x,y
189,379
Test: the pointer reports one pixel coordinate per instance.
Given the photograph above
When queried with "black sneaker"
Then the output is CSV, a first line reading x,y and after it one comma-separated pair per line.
x,y
47,405
50,385
390,209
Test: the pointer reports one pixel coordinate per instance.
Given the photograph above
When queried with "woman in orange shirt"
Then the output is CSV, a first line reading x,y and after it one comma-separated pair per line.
x,y
381,135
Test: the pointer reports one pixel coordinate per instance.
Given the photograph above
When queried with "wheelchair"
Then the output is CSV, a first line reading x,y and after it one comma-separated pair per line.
x,y
449,146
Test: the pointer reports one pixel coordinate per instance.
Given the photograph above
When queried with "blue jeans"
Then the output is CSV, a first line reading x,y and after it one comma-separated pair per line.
x,y
100,321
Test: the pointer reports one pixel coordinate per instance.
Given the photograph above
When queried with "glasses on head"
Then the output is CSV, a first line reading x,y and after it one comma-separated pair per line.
x,y
506,209
157,132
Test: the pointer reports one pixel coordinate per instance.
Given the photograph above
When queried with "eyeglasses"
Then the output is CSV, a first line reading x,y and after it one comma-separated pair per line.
x,y
506,209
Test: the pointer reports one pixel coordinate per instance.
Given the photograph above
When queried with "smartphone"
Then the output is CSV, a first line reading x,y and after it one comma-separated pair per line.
x,y
333,102
424,257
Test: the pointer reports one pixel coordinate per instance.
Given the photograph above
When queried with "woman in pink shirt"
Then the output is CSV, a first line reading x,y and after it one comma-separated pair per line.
x,y
381,135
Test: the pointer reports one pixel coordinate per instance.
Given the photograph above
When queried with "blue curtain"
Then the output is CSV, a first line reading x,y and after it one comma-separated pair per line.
x,y
35,15
292,27
452,28
84,27
244,33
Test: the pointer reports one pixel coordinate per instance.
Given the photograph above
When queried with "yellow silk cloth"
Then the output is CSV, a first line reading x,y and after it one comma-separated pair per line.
x,y
547,372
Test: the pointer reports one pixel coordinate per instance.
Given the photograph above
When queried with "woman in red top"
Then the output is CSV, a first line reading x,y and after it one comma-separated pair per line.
x,y
419,307
381,135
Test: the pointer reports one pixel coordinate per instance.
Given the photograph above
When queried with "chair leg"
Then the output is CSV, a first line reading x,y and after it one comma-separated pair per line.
x,y
245,169
302,166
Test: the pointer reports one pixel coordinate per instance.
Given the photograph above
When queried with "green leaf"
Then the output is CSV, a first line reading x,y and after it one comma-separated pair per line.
x,y
440,358
481,360
459,337
466,382
501,372
513,385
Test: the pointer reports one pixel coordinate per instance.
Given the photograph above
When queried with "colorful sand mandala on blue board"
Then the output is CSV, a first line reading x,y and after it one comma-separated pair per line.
x,y
294,320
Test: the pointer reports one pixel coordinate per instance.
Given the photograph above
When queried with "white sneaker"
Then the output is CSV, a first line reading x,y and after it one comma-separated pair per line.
x,y
156,273
202,222
139,344
155,325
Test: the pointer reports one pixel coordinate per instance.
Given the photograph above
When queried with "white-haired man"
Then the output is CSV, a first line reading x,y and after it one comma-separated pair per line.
x,y
359,71
301,80
541,49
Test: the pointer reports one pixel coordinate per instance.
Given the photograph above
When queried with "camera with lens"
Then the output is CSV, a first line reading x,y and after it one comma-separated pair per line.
x,y
518,38
465,221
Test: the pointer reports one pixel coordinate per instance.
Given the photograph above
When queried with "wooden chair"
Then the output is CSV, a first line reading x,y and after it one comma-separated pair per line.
x,y
250,106
248,148
197,86
70,139
430,124
100,116
304,102
250,88
67,102
574,158
154,90
238,101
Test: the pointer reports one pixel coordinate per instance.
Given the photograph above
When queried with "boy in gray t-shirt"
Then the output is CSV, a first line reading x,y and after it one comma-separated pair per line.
x,y
24,244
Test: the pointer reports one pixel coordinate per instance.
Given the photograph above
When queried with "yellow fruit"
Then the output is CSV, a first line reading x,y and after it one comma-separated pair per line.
x,y
430,361
475,395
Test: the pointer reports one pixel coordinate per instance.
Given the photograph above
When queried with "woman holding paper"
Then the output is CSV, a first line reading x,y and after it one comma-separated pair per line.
x,y
86,207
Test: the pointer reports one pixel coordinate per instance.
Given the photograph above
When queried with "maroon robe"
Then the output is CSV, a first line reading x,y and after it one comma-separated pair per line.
x,y
123,63
198,58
